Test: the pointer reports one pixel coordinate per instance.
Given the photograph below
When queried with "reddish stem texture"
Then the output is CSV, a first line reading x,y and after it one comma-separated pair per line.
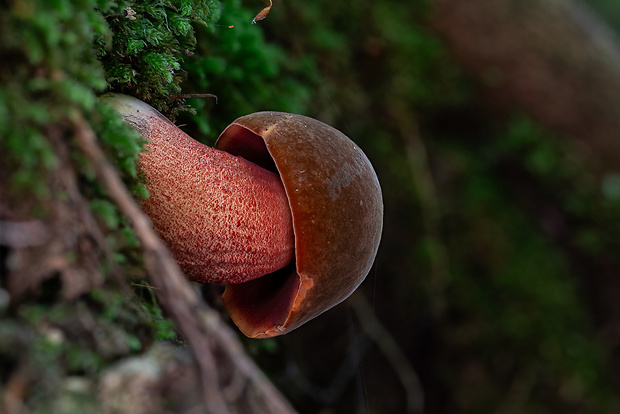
x,y
225,219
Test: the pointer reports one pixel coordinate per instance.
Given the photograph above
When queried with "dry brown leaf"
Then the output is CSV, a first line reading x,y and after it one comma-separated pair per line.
x,y
263,13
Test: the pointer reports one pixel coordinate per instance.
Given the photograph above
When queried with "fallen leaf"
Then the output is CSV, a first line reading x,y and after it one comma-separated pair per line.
x,y
263,13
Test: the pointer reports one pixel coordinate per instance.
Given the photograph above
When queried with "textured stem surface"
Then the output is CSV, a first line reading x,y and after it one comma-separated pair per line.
x,y
225,219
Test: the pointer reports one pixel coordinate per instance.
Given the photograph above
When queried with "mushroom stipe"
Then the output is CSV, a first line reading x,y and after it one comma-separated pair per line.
x,y
286,210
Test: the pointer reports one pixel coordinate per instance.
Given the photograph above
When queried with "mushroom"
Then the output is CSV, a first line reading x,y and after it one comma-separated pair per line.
x,y
286,210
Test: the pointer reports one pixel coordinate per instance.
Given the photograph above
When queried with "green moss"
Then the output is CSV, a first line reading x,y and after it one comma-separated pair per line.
x,y
150,41
234,61
164,328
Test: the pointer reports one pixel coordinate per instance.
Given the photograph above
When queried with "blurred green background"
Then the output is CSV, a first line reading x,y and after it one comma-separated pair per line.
x,y
493,289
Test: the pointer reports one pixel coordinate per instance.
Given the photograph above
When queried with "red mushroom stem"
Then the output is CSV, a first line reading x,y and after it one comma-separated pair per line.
x,y
225,219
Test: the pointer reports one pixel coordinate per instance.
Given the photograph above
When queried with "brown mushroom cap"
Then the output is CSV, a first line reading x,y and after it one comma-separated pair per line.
x,y
337,211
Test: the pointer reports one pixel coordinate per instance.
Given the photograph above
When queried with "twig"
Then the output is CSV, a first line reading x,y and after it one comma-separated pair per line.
x,y
192,95
342,376
174,293
388,346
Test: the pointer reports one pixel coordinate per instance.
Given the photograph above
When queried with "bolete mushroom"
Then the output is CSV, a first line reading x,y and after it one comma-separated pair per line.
x,y
286,210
